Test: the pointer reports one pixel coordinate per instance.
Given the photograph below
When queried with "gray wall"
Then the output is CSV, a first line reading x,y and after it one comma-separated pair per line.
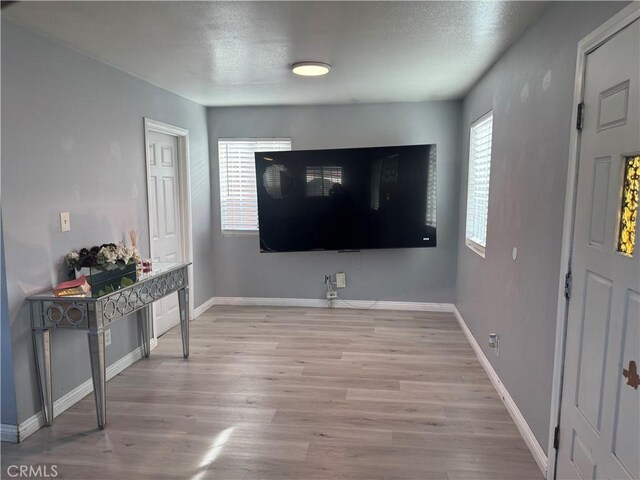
x,y
531,128
72,131
423,275
8,413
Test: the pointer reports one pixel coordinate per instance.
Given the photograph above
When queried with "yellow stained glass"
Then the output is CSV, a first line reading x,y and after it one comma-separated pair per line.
x,y
629,209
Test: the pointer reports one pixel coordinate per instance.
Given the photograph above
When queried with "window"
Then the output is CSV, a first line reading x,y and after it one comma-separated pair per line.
x,y
478,184
238,199
629,207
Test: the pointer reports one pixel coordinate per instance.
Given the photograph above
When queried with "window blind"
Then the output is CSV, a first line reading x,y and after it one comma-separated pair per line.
x,y
238,199
478,185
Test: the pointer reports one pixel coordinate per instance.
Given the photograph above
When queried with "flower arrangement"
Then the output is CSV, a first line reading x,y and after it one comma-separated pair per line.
x,y
108,256
107,267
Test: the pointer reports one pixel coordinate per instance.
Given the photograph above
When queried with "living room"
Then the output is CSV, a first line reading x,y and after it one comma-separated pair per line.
x,y
291,375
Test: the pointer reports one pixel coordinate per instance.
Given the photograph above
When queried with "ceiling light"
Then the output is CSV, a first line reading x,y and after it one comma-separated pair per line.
x,y
310,69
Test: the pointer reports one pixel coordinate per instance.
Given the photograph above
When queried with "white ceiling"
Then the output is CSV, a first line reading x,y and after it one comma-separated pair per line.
x,y
239,53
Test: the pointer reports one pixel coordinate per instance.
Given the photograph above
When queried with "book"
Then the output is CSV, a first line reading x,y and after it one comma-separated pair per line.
x,y
70,288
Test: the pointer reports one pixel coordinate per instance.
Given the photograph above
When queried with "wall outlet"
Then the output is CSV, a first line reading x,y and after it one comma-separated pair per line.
x,y
341,280
494,342
332,295
107,338
65,222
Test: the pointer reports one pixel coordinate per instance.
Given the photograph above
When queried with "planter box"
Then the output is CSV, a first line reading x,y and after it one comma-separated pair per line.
x,y
108,281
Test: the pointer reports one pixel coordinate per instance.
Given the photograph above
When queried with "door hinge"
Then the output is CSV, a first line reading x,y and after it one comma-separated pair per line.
x,y
556,438
580,116
567,285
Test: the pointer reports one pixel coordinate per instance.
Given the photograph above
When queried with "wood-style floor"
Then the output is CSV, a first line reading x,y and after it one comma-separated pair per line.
x,y
289,393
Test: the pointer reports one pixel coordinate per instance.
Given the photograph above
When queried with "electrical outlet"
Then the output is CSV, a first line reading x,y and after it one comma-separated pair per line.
x,y
341,280
65,222
494,342
107,338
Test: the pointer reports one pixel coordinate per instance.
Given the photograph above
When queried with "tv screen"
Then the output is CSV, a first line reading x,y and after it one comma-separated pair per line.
x,y
347,199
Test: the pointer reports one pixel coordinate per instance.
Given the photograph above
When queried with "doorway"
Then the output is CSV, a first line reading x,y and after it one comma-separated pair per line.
x,y
169,211
595,406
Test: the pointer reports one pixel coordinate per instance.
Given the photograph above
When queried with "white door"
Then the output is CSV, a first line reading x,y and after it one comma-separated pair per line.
x,y
165,212
599,421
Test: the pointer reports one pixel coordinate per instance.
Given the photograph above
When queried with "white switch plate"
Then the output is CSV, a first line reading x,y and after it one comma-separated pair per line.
x,y
65,222
107,338
341,280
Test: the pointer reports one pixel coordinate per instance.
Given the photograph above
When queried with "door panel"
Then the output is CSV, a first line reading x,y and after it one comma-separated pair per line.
x,y
627,418
169,207
593,348
153,185
166,225
599,420
599,203
581,458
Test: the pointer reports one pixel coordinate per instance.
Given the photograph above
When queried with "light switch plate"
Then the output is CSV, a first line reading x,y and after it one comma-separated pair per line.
x,y
341,280
65,222
107,338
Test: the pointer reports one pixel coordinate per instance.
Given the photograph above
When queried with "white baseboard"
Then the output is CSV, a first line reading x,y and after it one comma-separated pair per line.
x,y
321,303
524,428
35,422
203,308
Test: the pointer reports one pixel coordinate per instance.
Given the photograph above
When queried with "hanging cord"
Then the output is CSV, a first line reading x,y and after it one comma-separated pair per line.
x,y
328,284
352,305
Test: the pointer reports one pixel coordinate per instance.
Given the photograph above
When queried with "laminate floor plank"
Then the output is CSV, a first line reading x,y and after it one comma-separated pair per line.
x,y
189,382
294,394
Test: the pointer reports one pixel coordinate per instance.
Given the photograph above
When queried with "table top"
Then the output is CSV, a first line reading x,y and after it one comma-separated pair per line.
x,y
156,270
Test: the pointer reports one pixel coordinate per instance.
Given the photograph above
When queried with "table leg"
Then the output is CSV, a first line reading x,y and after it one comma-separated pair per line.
x,y
183,302
42,349
98,374
144,320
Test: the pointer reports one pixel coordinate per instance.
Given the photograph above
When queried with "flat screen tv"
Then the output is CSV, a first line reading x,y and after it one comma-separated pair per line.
x,y
347,199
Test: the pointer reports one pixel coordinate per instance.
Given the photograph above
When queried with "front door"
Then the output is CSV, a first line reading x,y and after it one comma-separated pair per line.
x,y
166,218
599,420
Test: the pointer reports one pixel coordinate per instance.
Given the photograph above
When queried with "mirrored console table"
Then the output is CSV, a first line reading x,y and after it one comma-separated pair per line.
x,y
95,315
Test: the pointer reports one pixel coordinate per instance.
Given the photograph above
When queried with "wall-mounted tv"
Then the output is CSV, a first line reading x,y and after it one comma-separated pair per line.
x,y
347,199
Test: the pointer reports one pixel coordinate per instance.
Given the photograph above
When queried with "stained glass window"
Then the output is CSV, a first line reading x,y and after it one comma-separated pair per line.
x,y
629,207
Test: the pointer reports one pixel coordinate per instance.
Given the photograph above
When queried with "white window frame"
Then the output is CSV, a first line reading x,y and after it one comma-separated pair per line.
x,y
478,245
221,165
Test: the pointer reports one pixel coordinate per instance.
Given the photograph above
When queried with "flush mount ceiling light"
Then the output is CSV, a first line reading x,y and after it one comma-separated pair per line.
x,y
310,69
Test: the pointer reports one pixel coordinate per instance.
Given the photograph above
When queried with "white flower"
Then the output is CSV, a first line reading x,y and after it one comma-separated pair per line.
x,y
72,259
124,253
107,255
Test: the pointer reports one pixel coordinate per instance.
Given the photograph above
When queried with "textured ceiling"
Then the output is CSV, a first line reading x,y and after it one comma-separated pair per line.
x,y
238,53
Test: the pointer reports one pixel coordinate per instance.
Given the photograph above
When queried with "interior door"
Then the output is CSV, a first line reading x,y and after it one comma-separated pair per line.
x,y
166,216
599,421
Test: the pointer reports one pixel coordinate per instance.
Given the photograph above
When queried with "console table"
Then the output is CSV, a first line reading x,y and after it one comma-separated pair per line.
x,y
95,315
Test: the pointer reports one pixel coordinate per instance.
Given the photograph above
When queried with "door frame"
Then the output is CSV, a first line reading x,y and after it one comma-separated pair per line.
x,y
184,184
587,45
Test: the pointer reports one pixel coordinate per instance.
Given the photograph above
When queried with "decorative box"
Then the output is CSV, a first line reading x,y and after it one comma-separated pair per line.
x,y
108,281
